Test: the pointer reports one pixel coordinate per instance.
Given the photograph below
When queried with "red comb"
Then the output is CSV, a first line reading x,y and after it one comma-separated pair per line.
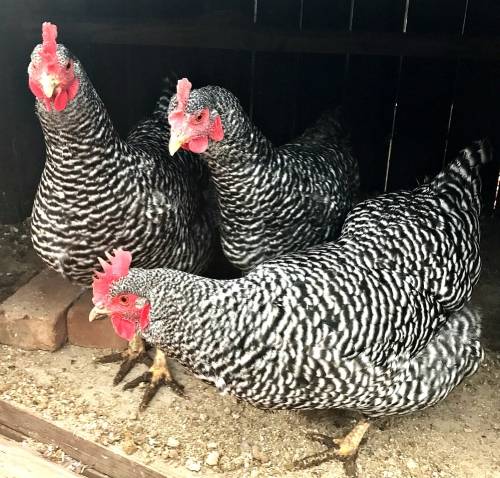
x,y
49,36
49,46
183,90
117,267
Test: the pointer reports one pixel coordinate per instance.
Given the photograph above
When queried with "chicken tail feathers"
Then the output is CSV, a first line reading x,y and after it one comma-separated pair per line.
x,y
470,158
461,177
480,152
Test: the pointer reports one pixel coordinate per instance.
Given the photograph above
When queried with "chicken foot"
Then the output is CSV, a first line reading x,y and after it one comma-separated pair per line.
x,y
344,449
158,375
135,353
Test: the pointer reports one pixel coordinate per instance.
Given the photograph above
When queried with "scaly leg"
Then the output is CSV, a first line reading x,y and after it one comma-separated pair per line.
x,y
135,353
156,376
344,449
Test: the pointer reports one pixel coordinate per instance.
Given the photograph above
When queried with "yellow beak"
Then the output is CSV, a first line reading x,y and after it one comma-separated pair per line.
x,y
98,313
176,141
49,84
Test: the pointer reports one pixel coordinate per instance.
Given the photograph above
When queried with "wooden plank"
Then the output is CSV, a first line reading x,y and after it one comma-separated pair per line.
x,y
274,95
319,14
421,127
483,17
91,473
431,16
10,433
16,436
274,75
207,33
279,13
478,112
19,462
370,92
211,67
21,145
477,115
380,16
424,99
320,82
320,86
85,451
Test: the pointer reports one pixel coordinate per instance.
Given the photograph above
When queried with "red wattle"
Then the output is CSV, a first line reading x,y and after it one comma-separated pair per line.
x,y
61,100
73,89
217,132
123,327
35,88
144,320
46,102
199,144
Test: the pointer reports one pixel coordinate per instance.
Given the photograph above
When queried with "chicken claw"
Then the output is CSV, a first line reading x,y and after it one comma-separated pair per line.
x,y
158,375
135,353
344,449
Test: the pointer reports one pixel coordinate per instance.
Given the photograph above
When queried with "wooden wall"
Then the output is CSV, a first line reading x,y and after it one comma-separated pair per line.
x,y
286,60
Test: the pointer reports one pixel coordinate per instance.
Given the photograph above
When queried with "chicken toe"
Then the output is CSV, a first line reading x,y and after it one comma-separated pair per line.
x,y
157,376
129,358
344,449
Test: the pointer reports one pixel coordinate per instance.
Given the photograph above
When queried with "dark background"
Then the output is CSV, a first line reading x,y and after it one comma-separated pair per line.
x,y
275,62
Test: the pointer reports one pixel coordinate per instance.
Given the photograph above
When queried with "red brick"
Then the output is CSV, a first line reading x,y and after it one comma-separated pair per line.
x,y
34,317
98,334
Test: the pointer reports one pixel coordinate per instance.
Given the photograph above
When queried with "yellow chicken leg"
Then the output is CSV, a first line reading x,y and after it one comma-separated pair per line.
x,y
158,375
344,449
134,354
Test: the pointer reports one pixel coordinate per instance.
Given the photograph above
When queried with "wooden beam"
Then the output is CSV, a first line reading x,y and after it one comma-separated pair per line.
x,y
91,454
201,32
16,436
20,462
91,473
10,433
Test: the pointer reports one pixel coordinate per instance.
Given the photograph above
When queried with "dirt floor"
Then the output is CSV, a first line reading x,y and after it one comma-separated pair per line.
x,y
458,438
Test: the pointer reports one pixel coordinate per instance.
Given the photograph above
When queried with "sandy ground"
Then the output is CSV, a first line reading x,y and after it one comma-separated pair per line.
x,y
458,438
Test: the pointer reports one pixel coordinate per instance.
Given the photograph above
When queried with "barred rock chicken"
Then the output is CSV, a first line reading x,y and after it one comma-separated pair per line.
x,y
272,200
98,192
374,322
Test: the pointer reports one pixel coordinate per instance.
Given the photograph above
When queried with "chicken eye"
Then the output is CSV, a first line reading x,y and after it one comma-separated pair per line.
x,y
199,116
124,300
68,65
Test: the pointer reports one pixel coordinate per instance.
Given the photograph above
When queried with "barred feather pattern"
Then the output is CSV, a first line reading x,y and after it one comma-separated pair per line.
x,y
374,322
98,192
275,200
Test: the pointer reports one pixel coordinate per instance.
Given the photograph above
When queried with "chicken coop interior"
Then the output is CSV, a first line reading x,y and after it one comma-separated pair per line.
x,y
415,81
